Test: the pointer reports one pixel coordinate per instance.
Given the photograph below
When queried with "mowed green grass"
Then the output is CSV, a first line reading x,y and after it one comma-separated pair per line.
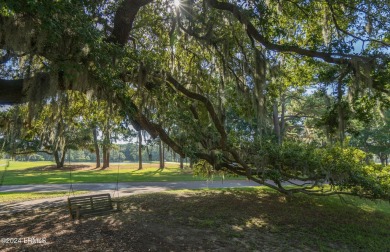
x,y
23,173
8,197
3,163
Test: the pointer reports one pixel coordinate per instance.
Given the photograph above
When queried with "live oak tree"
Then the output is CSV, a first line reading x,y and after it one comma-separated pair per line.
x,y
69,121
60,125
224,73
373,136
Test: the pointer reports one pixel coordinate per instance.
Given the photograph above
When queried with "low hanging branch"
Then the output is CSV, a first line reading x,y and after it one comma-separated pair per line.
x,y
141,122
208,105
32,152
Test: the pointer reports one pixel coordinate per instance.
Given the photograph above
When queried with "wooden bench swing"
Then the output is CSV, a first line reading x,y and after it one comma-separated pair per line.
x,y
88,205
98,204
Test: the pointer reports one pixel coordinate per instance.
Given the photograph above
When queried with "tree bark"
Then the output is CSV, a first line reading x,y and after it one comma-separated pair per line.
x,y
139,150
96,145
161,154
124,18
383,158
106,157
340,110
276,121
56,158
106,150
283,119
59,157
62,161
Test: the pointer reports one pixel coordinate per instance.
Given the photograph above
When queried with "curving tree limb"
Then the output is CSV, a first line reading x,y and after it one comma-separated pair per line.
x,y
334,58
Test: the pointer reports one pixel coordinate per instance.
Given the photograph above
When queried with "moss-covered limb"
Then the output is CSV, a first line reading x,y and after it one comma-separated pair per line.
x,y
335,58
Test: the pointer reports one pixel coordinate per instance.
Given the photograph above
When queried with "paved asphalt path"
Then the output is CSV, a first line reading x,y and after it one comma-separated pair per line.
x,y
124,189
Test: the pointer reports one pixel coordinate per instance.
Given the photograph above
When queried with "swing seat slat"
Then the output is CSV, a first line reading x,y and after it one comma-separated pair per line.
x,y
92,205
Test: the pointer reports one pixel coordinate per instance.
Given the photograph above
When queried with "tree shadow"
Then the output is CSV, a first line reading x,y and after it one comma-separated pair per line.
x,y
226,220
73,167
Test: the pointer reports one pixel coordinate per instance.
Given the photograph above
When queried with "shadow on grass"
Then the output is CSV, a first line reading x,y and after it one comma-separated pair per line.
x,y
224,220
73,167
149,173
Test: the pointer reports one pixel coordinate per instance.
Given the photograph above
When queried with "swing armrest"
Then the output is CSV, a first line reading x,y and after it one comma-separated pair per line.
x,y
118,204
77,207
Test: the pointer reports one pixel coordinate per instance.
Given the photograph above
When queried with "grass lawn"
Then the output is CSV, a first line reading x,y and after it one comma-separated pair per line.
x,y
254,219
8,197
20,173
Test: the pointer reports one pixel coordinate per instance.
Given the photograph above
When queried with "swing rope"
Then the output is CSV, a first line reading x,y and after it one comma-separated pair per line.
x,y
117,176
117,184
71,189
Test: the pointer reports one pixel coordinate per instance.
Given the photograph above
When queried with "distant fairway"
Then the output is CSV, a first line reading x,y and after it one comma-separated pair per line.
x,y
23,173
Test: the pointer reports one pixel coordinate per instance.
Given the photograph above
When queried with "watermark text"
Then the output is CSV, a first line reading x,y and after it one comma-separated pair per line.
x,y
23,240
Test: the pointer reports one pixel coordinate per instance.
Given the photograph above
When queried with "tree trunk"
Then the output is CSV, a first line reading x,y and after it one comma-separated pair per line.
x,y
139,150
59,157
276,121
383,158
341,113
283,119
181,163
327,127
260,69
149,152
56,158
161,153
106,150
106,157
62,161
96,145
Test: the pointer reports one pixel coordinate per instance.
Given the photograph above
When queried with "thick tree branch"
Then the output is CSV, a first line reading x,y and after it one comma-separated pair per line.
x,y
124,19
334,58
33,151
140,121
209,106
